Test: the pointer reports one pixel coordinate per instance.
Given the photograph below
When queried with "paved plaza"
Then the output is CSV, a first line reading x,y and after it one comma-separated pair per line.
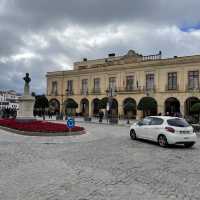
x,y
103,164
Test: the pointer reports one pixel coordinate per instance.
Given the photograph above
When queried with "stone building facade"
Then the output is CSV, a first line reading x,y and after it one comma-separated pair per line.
x,y
172,83
9,99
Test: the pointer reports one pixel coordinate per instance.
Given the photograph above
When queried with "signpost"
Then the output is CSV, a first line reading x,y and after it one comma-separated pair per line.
x,y
70,123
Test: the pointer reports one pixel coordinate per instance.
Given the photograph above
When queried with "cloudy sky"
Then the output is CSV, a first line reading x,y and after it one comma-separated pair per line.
x,y
37,36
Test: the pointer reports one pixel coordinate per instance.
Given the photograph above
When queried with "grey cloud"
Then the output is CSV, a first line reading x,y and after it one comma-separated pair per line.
x,y
108,11
94,28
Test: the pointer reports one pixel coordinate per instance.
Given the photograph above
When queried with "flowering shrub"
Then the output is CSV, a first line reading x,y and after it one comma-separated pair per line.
x,y
37,126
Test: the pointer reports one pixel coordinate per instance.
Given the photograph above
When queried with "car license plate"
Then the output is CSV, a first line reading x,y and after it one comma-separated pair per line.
x,y
184,132
186,138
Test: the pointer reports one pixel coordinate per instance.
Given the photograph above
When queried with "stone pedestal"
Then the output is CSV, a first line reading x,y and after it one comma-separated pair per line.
x,y
26,104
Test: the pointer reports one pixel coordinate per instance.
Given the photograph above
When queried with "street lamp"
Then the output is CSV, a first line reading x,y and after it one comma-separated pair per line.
x,y
110,93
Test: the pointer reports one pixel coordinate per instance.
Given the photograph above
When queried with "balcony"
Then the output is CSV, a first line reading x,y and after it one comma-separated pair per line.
x,y
192,89
54,93
172,88
151,89
69,92
84,92
127,90
111,92
96,91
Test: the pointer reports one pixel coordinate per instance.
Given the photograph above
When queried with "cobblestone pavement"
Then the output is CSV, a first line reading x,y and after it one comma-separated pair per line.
x,y
101,165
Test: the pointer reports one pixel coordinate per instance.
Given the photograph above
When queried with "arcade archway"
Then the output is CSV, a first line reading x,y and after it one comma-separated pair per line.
x,y
84,107
70,107
95,106
188,105
172,106
54,106
148,106
129,108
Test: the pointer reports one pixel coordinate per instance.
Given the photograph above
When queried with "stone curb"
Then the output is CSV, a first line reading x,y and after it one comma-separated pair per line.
x,y
41,133
125,125
92,122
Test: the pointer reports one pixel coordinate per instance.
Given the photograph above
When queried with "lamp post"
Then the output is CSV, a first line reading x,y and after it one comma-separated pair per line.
x,y
110,93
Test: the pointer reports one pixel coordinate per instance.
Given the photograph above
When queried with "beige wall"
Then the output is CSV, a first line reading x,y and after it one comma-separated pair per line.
x,y
120,71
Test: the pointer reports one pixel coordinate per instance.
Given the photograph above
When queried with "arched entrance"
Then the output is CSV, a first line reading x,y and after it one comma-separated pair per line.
x,y
54,106
104,102
111,107
129,108
188,105
70,107
84,107
148,106
95,106
172,107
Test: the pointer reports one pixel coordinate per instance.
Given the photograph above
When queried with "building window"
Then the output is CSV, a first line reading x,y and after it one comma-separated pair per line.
x,y
112,83
69,87
54,88
85,86
193,80
172,81
129,82
149,81
96,84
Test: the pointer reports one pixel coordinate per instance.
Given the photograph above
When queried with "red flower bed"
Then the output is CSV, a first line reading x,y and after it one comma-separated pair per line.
x,y
37,126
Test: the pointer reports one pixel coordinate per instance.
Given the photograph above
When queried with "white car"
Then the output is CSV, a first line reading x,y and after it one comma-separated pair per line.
x,y
164,130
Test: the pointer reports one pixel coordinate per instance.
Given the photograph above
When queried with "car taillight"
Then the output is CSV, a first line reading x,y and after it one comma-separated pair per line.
x,y
170,129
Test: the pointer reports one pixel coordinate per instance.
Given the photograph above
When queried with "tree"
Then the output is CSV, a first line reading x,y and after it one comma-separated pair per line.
x,y
41,103
103,103
129,107
196,109
147,105
33,94
71,105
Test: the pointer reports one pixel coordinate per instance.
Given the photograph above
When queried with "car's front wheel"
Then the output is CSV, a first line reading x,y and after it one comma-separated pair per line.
x,y
188,145
162,141
133,134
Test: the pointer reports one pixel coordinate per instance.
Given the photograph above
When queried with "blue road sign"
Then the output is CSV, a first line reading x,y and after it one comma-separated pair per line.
x,y
70,122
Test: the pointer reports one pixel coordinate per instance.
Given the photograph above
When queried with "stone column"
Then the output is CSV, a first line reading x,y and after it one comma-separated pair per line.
x,y
182,109
161,109
90,110
139,115
120,109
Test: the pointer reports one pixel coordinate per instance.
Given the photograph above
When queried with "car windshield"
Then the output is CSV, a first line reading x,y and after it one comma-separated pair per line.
x,y
178,122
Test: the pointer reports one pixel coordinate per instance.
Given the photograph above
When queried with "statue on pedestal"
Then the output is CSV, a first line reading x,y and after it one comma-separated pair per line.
x,y
26,102
27,80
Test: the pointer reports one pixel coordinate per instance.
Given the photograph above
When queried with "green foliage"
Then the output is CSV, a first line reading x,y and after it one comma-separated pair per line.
x,y
129,106
70,103
103,103
33,94
196,108
146,104
41,102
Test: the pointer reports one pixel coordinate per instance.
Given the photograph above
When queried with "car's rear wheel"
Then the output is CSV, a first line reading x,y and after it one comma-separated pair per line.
x,y
162,141
188,145
133,134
